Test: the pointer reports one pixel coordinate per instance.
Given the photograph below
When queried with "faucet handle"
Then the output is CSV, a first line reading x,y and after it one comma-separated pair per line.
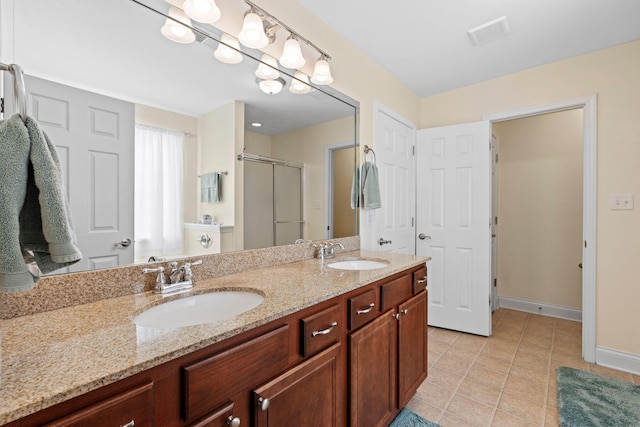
x,y
160,278
186,268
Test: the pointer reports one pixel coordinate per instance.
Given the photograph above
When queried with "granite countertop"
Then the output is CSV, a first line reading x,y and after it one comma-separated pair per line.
x,y
49,357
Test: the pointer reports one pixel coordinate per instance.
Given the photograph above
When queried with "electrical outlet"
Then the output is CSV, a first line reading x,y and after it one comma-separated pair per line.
x,y
621,201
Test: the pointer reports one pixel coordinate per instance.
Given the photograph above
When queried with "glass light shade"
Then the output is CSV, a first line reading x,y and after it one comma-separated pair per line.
x,y
292,54
322,73
271,86
268,68
205,11
224,53
252,34
298,87
177,29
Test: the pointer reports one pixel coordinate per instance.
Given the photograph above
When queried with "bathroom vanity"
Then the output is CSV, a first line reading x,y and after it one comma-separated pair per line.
x,y
327,347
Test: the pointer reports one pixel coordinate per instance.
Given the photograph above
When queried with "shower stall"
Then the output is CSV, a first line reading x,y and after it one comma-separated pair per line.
x,y
273,212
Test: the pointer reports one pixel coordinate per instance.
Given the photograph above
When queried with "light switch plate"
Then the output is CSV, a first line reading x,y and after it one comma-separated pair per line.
x,y
622,201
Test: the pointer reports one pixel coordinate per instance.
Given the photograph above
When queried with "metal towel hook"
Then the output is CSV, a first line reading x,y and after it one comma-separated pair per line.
x,y
368,150
18,88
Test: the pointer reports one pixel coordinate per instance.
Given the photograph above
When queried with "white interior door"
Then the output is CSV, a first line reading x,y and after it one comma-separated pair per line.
x,y
395,230
454,224
94,137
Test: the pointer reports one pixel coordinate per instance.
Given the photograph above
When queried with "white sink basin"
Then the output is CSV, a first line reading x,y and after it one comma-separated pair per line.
x,y
357,264
199,309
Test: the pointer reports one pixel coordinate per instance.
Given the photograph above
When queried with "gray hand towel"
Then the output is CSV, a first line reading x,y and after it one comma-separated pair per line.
x,y
210,187
370,186
45,220
14,139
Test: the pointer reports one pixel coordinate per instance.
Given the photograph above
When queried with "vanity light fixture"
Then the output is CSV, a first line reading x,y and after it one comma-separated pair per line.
x,y
252,33
205,11
292,54
322,72
272,86
176,27
256,124
300,83
228,50
268,68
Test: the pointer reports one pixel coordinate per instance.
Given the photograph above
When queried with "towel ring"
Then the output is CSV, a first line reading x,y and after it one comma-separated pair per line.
x,y
368,150
18,88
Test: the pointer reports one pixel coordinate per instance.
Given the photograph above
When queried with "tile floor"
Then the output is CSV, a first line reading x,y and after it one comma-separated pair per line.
x,y
507,379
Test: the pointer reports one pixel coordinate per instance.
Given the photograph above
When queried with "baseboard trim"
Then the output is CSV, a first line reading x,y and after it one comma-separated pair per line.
x,y
541,308
618,360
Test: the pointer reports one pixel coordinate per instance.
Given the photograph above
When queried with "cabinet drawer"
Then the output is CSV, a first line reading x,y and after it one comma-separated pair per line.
x,y
129,408
209,383
362,308
396,291
220,418
419,280
320,330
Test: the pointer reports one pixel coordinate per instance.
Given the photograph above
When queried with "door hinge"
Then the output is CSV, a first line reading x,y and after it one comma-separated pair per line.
x,y
585,243
496,158
495,283
496,221
2,105
412,221
413,150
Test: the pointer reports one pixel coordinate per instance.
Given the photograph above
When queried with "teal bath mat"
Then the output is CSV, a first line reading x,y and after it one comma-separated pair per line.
x,y
586,399
408,418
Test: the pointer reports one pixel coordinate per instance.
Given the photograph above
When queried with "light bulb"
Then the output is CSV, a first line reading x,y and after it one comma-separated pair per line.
x,y
226,54
322,73
292,54
300,87
268,68
176,27
271,87
205,11
252,34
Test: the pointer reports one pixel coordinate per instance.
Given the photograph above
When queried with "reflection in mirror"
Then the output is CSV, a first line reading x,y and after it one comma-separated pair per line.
x,y
150,131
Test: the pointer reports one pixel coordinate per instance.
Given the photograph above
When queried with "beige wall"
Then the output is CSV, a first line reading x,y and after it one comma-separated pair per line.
x,y
155,117
308,146
540,208
343,215
613,75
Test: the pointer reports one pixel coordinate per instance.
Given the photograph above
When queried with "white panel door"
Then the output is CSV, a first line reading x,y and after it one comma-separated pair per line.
x,y
396,168
94,137
454,224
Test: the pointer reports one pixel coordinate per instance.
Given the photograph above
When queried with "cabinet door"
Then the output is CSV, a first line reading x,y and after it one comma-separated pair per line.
x,y
372,372
306,395
412,347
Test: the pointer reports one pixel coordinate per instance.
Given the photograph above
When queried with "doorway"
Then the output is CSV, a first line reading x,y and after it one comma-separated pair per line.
x,y
340,217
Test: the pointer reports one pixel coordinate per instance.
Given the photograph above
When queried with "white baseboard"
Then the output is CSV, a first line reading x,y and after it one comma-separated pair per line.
x,y
541,308
618,360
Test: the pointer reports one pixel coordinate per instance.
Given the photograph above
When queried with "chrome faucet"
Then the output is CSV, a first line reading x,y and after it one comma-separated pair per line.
x,y
327,250
180,278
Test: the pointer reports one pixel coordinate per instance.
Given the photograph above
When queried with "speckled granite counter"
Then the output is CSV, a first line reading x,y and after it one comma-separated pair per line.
x,y
50,357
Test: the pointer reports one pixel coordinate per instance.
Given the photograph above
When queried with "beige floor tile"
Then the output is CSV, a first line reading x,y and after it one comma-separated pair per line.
x,y
570,360
527,374
493,363
503,419
487,376
435,395
537,358
425,410
451,420
498,351
437,346
612,373
536,392
562,325
444,336
480,391
463,352
551,417
444,378
476,413
636,379
453,364
552,395
522,407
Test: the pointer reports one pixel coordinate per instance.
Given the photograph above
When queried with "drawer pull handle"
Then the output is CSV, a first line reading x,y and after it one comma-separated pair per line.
x,y
325,331
129,424
421,281
366,310
233,421
263,402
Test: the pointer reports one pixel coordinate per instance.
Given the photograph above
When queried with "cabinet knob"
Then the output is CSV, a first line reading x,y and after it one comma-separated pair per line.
x,y
233,421
404,312
263,402
395,316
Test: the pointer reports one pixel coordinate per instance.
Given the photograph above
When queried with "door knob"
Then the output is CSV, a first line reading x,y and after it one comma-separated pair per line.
x,y
383,242
423,236
125,243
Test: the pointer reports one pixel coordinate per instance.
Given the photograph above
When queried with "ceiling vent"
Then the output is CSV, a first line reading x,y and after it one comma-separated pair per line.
x,y
492,30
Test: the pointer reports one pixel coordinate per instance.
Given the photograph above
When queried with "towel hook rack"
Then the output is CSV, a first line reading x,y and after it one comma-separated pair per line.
x,y
18,88
368,150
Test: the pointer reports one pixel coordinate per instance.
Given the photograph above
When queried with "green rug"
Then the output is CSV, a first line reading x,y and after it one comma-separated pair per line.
x,y
408,418
586,399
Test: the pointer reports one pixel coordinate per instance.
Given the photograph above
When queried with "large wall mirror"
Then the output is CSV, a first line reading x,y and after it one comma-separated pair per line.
x,y
158,138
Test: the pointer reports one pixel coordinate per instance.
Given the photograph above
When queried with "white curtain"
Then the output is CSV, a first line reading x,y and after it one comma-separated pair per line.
x,y
158,192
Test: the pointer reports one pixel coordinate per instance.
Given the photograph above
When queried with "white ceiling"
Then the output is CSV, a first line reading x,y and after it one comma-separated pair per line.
x,y
424,43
